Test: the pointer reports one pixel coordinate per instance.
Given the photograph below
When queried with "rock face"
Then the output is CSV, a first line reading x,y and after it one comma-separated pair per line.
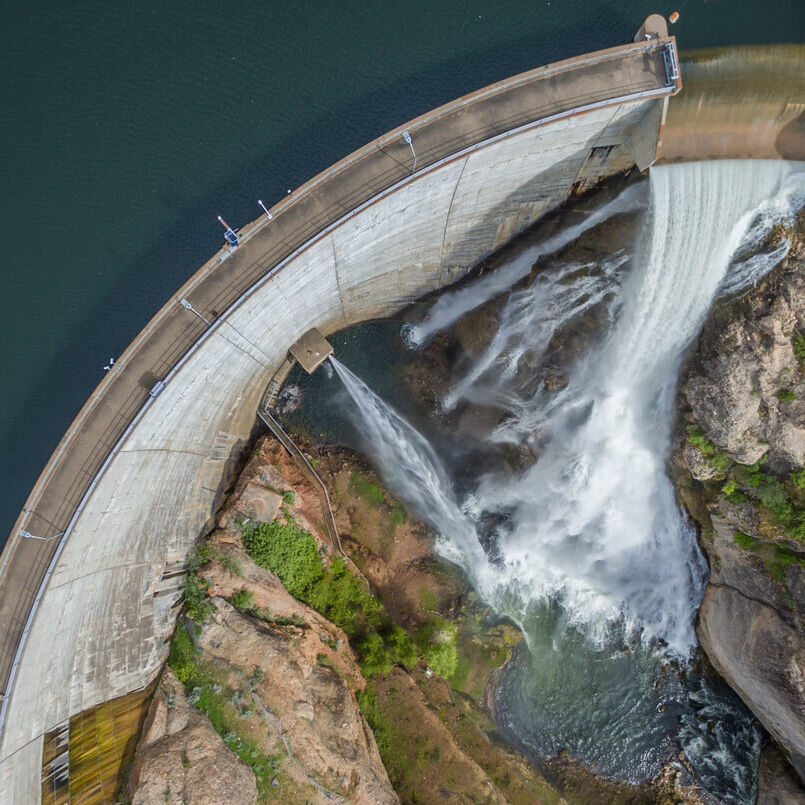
x,y
776,785
745,388
751,645
181,759
307,700
745,365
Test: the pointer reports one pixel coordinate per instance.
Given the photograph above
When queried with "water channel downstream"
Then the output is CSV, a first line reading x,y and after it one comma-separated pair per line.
x,y
583,544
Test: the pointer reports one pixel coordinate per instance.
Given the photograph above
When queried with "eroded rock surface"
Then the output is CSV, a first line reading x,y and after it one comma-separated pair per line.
x,y
745,388
776,785
745,364
305,699
181,759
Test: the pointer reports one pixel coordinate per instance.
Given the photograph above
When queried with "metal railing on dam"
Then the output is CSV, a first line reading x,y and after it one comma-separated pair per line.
x,y
634,72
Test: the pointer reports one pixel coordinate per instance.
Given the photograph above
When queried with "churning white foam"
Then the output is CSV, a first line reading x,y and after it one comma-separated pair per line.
x,y
593,523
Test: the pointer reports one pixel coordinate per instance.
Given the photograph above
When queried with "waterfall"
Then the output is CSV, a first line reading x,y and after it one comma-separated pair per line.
x,y
452,305
594,553
411,468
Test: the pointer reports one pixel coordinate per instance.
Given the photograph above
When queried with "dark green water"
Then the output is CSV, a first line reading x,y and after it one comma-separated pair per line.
x,y
127,127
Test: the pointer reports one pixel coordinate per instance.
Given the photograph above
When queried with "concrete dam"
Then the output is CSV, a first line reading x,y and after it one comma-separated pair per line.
x,y
91,574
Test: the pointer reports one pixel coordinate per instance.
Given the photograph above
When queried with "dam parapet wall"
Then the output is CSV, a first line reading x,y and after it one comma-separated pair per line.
x,y
138,476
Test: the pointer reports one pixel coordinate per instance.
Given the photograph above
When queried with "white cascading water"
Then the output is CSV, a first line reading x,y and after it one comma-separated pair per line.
x,y
410,467
594,543
594,522
452,305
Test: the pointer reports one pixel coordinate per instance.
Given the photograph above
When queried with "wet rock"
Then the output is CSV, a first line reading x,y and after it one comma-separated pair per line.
x,y
181,759
776,785
762,658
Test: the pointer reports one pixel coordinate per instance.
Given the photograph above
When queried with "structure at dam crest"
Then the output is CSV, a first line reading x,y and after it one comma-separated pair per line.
x,y
138,477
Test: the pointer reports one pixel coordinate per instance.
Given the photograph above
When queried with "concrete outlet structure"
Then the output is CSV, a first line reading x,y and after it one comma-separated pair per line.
x,y
136,480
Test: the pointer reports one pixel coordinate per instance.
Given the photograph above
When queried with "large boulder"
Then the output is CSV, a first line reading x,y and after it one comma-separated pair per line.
x,y
181,759
762,658
303,693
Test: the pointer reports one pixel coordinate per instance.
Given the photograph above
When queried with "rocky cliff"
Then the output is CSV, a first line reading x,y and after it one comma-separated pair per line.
x,y
266,699
739,469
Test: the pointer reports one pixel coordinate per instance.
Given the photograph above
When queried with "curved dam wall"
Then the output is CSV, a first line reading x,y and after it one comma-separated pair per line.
x,y
137,478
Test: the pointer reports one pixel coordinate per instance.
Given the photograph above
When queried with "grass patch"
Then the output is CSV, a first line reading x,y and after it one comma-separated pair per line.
x,y
398,516
393,752
744,540
243,600
335,592
288,498
769,491
799,347
437,640
226,708
183,658
776,571
786,395
786,557
214,700
369,491
716,458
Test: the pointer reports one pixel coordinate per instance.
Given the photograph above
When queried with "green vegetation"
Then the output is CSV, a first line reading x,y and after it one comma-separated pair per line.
x,y
209,553
288,497
243,600
394,755
716,458
769,491
777,572
744,540
286,550
363,487
733,494
786,557
398,516
183,655
437,640
786,395
335,592
799,347
226,708
197,602
195,588
797,478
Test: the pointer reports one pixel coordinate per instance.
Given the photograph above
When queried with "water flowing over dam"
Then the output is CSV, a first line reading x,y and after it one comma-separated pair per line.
x,y
592,553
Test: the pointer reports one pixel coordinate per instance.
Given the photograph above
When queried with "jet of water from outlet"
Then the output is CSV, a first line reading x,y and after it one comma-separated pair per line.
x,y
411,468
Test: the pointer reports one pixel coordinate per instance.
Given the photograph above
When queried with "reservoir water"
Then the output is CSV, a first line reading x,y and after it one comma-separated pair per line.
x,y
127,128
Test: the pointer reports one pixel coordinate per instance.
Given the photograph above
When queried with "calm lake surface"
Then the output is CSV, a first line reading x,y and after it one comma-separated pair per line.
x,y
127,128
